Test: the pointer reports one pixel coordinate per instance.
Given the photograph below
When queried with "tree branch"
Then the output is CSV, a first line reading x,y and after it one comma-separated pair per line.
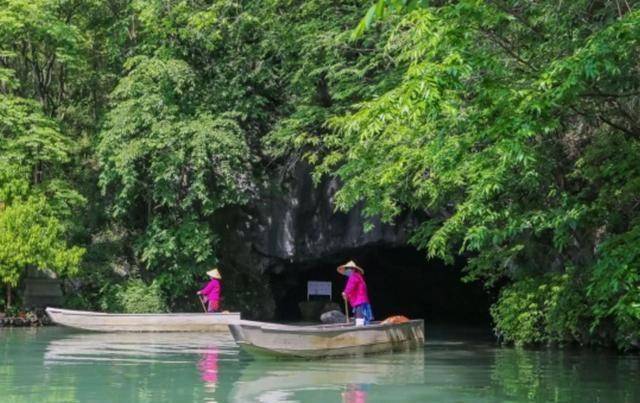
x,y
501,43
616,126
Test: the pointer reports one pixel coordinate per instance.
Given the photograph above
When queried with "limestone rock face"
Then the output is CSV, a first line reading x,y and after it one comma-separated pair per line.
x,y
292,223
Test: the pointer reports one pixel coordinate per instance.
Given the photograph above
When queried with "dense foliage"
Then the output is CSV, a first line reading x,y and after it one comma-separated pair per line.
x,y
36,201
126,125
515,128
163,113
172,162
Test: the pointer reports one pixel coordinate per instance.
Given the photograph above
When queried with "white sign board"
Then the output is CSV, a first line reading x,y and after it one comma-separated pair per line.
x,y
318,288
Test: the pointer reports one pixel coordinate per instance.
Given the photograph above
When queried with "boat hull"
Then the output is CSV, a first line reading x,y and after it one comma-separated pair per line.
x,y
327,341
147,322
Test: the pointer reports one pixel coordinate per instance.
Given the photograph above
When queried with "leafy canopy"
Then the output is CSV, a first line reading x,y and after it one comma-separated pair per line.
x,y
513,129
164,157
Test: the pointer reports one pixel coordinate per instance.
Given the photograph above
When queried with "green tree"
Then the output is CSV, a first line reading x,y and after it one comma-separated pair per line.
x,y
31,235
58,61
35,204
168,166
215,94
514,128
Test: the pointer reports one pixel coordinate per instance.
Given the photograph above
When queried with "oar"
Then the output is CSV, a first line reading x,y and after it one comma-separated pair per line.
x,y
204,308
346,309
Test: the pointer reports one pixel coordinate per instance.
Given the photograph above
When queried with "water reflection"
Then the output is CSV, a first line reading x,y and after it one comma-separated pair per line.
x,y
136,347
56,365
346,380
447,372
141,367
355,393
208,367
565,375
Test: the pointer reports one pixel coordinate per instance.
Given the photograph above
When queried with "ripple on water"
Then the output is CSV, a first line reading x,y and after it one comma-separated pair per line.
x,y
58,365
137,347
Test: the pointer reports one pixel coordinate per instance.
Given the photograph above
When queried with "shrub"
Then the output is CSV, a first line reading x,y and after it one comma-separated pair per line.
x,y
614,288
133,296
545,309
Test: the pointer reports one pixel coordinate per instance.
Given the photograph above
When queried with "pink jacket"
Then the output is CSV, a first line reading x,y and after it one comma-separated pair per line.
x,y
356,289
212,290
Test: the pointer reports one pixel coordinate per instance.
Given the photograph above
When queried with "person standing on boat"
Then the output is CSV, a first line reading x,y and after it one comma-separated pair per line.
x,y
355,292
211,291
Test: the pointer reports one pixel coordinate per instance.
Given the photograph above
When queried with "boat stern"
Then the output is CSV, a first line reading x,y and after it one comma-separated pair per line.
x,y
237,333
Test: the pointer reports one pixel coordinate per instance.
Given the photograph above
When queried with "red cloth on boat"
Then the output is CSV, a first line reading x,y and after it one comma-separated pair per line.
x,y
356,289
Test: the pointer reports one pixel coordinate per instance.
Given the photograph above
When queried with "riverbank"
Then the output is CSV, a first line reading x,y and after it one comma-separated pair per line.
x,y
26,318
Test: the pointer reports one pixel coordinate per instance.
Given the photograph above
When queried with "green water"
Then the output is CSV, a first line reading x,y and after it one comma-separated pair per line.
x,y
58,365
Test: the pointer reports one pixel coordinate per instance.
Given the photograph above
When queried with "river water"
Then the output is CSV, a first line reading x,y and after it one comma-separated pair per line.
x,y
59,365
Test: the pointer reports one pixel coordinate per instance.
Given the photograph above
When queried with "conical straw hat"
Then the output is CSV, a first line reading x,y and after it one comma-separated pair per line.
x,y
214,274
349,264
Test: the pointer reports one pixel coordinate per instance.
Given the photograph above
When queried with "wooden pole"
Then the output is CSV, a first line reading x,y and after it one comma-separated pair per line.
x,y
204,308
346,309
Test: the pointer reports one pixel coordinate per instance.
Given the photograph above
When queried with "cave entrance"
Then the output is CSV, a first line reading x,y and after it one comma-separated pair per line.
x,y
401,281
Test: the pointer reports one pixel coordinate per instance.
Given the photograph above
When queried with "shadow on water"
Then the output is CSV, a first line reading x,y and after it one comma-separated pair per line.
x,y
56,365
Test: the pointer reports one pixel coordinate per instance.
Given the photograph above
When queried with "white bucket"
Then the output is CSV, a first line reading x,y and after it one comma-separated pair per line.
x,y
359,321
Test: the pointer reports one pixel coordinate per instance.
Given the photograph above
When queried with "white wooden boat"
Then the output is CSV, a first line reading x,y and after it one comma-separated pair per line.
x,y
144,322
327,340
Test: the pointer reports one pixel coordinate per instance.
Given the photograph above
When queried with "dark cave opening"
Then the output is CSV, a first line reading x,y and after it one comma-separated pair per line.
x,y
401,281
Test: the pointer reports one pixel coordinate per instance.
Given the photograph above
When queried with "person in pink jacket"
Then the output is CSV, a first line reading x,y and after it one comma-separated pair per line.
x,y
211,291
355,292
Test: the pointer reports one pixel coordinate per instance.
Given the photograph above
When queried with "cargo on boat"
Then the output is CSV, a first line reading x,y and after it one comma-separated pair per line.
x,y
327,340
143,322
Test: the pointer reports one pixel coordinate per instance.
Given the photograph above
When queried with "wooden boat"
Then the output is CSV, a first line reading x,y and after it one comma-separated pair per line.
x,y
143,322
327,340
